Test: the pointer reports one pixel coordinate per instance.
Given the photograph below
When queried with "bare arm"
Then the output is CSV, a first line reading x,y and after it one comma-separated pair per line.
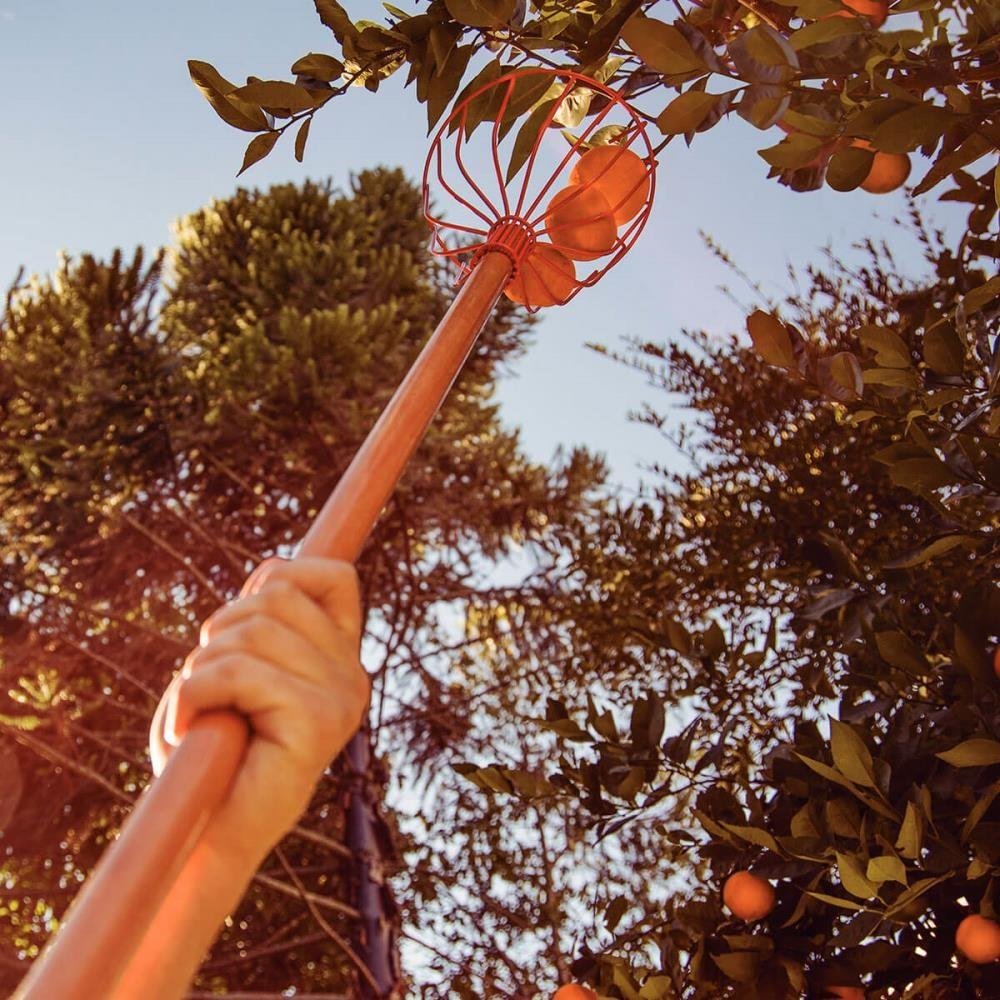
x,y
285,655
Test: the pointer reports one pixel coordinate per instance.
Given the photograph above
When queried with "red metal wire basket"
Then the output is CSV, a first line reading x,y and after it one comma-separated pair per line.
x,y
549,200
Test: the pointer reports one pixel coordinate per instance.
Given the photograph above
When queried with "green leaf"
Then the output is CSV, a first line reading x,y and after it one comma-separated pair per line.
x,y
840,376
842,817
526,138
486,106
887,868
300,139
972,753
793,151
930,551
844,904
978,811
614,912
216,89
604,34
740,966
259,147
943,350
444,85
319,67
900,651
482,13
678,636
916,890
763,55
917,125
824,31
898,378
333,15
754,835
686,112
848,168
947,163
276,95
909,843
921,474
825,771
981,296
802,824
661,46
852,877
771,339
850,755
890,350
763,104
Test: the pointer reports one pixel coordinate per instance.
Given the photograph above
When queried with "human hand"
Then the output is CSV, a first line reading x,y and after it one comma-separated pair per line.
x,y
285,655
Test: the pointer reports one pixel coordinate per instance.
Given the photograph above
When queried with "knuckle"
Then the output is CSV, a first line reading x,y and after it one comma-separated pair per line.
x,y
252,631
227,670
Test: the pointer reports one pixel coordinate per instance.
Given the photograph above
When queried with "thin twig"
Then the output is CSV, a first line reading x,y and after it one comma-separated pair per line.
x,y
337,939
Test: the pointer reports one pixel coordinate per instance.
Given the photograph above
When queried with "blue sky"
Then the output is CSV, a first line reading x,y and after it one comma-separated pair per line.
x,y
106,142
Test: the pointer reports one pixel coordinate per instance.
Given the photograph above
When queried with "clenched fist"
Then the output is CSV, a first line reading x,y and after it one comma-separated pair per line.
x,y
285,655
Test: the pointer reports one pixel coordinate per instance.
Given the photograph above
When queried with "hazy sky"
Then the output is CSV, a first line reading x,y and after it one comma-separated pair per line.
x,y
106,141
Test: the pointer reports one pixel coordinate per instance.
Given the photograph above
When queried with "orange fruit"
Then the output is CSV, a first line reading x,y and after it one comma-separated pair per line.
x,y
978,939
888,170
844,993
619,174
545,278
579,222
748,896
571,991
996,661
875,10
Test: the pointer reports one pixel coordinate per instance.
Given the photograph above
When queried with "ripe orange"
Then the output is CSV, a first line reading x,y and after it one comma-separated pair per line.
x,y
748,896
978,939
888,170
619,174
875,10
996,661
545,278
579,222
844,993
571,991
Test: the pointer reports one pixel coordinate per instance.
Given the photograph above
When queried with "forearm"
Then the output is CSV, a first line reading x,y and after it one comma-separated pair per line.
x,y
208,890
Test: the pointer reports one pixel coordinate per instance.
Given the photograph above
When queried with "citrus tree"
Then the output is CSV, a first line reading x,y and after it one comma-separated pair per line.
x,y
806,706
860,87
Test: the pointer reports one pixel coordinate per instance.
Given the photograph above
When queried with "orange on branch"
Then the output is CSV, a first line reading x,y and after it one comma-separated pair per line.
x,y
978,939
545,278
888,170
573,991
875,10
619,174
748,896
579,222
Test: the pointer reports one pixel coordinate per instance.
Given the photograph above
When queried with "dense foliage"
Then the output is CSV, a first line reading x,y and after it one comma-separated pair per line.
x,y
811,613
845,80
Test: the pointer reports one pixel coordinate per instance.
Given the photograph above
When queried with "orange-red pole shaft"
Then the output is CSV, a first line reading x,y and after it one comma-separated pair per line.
x,y
106,923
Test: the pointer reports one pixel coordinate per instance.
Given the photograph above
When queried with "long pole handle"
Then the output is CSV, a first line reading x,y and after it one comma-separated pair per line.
x,y
105,925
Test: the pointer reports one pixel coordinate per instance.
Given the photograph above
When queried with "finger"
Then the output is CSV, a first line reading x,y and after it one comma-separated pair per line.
x,y
332,583
260,573
289,607
250,633
304,719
